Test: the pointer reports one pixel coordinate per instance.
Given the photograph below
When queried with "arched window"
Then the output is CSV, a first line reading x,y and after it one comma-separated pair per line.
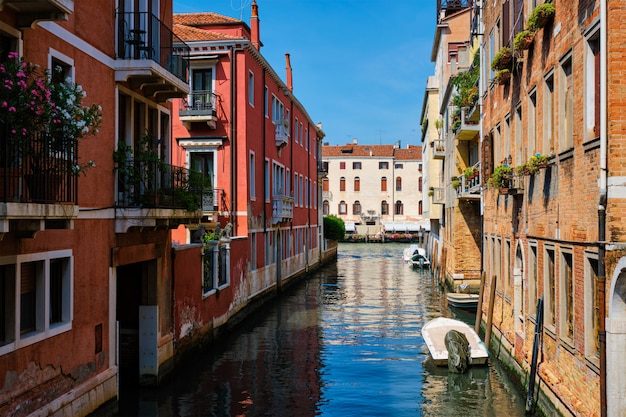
x,y
326,208
398,183
399,207
384,208
419,184
419,207
342,184
343,209
356,208
383,184
357,184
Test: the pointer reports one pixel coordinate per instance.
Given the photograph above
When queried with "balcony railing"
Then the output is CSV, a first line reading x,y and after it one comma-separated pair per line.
x,y
282,208
439,149
466,129
38,169
469,187
152,184
439,195
322,169
282,132
142,36
199,106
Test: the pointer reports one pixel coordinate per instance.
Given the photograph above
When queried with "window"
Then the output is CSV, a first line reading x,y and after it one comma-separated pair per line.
x,y
325,183
383,165
419,207
342,207
399,207
398,183
342,165
253,251
296,126
532,280
401,166
507,136
201,97
224,265
549,290
384,208
252,177
342,184
356,165
251,88
566,292
357,184
267,180
278,110
532,124
592,85
592,309
266,102
295,188
43,282
419,184
301,190
548,115
268,248
383,184
209,261
326,207
61,71
518,134
278,179
356,208
301,134
566,105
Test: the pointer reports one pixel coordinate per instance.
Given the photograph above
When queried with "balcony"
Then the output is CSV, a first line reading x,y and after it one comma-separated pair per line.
x,y
327,195
152,194
38,184
282,132
282,208
150,58
464,128
199,106
32,11
439,195
469,187
439,148
322,169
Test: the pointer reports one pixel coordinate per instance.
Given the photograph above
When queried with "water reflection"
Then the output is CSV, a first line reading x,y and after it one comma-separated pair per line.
x,y
346,342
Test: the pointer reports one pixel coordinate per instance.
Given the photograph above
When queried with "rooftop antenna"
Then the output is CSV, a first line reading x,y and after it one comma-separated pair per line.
x,y
243,4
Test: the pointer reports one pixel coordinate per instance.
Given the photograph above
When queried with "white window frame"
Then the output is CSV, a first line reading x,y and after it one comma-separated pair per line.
x,y
251,88
251,167
44,329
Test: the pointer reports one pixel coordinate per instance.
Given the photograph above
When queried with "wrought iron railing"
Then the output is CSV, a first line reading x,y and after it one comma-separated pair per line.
x,y
198,103
153,184
38,169
142,35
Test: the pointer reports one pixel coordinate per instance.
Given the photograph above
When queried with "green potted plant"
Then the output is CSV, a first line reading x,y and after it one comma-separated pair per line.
x,y
503,76
502,59
456,183
523,40
536,162
540,16
501,177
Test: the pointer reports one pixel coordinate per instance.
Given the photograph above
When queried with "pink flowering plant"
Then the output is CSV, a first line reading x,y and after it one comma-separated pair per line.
x,y
34,108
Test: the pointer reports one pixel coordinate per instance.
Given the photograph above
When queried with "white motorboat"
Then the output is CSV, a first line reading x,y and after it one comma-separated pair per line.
x,y
463,300
411,251
434,334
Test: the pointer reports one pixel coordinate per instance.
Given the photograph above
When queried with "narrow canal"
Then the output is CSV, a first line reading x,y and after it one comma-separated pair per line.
x,y
346,342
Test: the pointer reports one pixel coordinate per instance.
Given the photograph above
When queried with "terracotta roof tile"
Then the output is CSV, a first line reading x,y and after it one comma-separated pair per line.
x,y
374,151
188,34
204,18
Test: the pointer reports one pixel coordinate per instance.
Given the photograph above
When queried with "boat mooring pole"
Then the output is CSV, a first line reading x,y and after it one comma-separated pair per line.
x,y
492,297
479,310
536,346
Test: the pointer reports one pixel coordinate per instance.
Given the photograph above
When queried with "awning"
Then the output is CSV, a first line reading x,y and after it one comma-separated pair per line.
x,y
406,227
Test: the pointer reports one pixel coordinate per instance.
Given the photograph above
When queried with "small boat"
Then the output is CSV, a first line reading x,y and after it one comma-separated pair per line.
x,y
465,301
434,334
419,261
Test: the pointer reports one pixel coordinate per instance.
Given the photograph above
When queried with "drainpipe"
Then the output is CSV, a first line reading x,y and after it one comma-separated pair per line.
x,y
233,140
602,206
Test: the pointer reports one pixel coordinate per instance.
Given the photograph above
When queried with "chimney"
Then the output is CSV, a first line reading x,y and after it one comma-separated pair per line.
x,y
355,141
254,26
289,75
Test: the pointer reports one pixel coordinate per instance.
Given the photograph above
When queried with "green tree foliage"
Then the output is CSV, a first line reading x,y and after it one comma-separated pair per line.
x,y
334,228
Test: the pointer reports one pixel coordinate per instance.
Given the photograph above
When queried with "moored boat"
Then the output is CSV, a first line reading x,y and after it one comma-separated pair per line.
x,y
463,300
434,334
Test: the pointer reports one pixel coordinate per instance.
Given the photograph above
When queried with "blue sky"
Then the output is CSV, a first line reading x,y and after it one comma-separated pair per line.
x,y
359,66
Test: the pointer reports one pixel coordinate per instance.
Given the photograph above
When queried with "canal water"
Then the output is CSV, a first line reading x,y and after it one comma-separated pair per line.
x,y
345,342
